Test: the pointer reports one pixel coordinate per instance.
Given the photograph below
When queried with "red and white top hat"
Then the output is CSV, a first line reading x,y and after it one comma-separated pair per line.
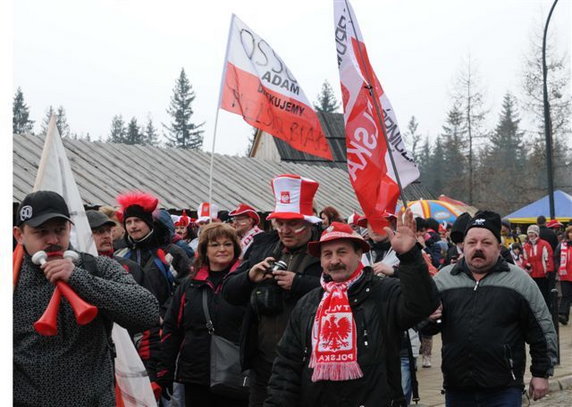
x,y
207,212
293,197
337,230
244,209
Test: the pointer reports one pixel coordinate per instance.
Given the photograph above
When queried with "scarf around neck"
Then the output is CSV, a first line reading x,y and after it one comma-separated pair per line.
x,y
563,258
334,333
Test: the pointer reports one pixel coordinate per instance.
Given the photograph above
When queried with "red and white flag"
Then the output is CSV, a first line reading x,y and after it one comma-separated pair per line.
x,y
258,85
369,162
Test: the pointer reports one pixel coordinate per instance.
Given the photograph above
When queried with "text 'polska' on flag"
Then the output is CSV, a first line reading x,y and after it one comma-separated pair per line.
x,y
258,85
370,125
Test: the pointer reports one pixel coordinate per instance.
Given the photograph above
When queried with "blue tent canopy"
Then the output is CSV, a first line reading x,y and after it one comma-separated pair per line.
x,y
529,213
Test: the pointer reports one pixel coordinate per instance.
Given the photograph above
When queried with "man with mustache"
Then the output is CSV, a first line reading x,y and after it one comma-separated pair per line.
x,y
74,367
490,309
341,345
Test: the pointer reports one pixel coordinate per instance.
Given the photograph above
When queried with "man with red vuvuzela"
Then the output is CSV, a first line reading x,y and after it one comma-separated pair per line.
x,y
60,357
341,344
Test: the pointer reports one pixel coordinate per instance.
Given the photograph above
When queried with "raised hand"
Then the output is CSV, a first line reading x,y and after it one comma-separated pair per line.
x,y
404,238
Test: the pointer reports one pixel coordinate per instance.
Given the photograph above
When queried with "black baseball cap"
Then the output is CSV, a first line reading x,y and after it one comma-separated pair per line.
x,y
39,207
98,219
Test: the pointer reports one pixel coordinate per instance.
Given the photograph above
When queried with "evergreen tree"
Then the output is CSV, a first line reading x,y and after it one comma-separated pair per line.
x,y
182,132
134,135
503,162
151,138
413,139
455,163
431,166
21,123
118,132
326,99
61,121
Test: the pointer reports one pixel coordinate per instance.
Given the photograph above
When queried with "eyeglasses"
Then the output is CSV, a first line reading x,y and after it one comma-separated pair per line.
x,y
217,245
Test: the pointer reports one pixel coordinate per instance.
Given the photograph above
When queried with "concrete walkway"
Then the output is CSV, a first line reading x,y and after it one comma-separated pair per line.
x,y
431,379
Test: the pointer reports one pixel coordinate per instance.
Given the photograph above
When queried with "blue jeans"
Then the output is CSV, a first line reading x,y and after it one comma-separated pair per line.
x,y
511,397
406,379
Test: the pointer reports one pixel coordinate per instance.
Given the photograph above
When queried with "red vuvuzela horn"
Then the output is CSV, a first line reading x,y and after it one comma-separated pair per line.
x,y
47,325
83,311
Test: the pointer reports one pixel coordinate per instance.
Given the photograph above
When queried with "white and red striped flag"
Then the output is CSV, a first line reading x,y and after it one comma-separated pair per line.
x,y
369,163
258,85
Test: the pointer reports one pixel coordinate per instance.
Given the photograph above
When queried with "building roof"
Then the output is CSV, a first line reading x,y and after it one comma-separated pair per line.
x,y
104,170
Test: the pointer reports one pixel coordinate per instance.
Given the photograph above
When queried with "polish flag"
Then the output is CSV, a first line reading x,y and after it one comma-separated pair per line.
x,y
369,162
258,85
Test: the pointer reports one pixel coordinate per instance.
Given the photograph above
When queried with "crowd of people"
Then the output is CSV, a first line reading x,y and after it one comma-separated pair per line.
x,y
322,310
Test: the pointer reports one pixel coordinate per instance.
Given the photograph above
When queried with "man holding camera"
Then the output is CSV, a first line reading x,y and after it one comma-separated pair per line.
x,y
276,275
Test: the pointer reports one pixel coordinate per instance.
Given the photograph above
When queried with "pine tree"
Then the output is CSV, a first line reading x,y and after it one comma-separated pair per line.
x,y
61,122
412,138
21,123
431,166
134,135
150,136
503,162
326,99
182,132
455,163
118,132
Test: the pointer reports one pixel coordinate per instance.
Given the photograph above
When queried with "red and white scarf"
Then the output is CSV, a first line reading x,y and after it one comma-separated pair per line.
x,y
248,238
334,334
563,258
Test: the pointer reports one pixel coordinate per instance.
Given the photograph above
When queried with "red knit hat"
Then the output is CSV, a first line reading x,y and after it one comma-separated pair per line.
x,y
336,231
293,196
362,221
244,209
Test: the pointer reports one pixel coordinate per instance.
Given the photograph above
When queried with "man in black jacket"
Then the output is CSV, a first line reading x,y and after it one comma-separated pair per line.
x,y
490,309
341,345
272,294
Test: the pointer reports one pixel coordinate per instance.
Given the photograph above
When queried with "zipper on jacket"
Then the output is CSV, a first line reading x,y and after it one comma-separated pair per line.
x,y
305,356
476,285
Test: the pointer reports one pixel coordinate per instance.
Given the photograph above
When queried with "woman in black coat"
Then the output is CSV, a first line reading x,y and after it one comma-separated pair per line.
x,y
185,338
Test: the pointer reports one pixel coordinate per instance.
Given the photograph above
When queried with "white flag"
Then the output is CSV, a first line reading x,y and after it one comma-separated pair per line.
x,y
54,174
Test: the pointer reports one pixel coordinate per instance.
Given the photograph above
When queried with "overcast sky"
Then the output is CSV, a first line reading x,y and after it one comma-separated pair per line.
x,y
107,57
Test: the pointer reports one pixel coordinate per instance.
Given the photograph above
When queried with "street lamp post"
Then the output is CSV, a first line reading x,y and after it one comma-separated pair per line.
x,y
547,121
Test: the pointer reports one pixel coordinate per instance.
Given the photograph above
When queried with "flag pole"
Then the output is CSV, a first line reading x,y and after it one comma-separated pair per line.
x,y
371,88
218,109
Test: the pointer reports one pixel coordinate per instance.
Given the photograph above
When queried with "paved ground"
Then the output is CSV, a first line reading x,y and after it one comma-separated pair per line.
x,y
431,379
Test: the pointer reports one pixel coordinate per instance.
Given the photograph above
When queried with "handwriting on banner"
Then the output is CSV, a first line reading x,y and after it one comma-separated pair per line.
x,y
261,54
262,109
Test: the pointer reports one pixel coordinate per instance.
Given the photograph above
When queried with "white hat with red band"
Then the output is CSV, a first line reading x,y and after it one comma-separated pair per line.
x,y
336,231
293,196
246,210
207,212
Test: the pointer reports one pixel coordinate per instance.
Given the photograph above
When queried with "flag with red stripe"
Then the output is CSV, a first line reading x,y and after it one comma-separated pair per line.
x,y
369,163
258,85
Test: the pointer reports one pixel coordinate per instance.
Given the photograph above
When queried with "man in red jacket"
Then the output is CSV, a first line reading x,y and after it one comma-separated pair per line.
x,y
539,262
